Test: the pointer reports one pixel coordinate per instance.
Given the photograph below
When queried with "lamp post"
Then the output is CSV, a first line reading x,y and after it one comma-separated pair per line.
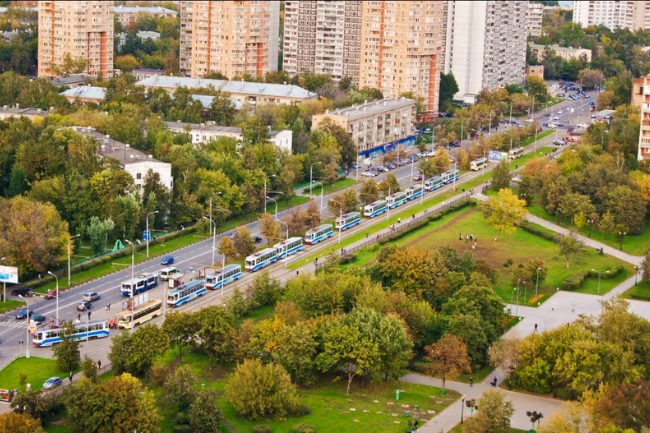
x,y
387,206
525,291
512,295
286,256
311,176
322,190
132,283
637,271
591,222
148,232
537,282
57,296
4,286
268,177
462,408
340,225
276,206
27,329
622,235
517,307
69,246
599,274
422,185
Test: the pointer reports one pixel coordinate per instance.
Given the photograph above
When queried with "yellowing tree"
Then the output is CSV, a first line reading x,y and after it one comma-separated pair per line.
x,y
504,212
448,358
12,422
269,228
226,247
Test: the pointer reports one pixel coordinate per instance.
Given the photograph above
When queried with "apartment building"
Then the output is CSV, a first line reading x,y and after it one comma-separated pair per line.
x,y
323,37
231,37
567,53
535,17
486,45
644,133
129,14
79,29
631,15
403,48
376,127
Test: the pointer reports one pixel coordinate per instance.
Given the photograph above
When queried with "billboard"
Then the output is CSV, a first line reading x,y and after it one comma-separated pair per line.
x,y
8,274
495,156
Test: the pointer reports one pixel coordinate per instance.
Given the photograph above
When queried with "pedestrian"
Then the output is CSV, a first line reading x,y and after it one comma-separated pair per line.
x,y
413,216
466,238
89,315
79,317
535,327
70,377
377,237
471,381
366,235
108,306
516,166
297,273
460,236
399,220
99,364
573,308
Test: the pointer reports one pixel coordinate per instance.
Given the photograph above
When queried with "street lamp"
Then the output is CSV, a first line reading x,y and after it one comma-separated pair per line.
x,y
311,177
147,230
57,296
132,283
591,222
341,222
322,190
27,330
622,235
276,206
286,246
599,274
387,206
462,408
537,282
4,286
637,271
268,177
213,194
517,307
214,237
69,246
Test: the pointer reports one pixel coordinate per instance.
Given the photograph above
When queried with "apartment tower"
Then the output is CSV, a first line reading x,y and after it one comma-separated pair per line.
x,y
631,15
185,56
644,100
323,37
486,45
231,37
80,29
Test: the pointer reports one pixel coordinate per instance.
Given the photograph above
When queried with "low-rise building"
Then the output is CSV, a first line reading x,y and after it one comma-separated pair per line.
x,y
536,70
242,91
7,112
567,53
142,73
204,132
72,80
376,127
86,94
129,14
143,35
133,161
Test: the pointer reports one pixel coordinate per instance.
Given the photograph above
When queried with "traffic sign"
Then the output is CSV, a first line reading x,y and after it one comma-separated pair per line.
x,y
147,235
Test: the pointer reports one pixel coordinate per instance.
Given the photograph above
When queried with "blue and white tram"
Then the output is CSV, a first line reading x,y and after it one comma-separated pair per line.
x,y
82,331
318,234
450,175
397,199
261,259
434,183
414,191
288,247
140,283
186,293
374,209
348,220
223,276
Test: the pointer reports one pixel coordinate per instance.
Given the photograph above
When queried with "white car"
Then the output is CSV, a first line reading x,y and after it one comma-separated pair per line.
x,y
552,125
368,174
560,112
556,118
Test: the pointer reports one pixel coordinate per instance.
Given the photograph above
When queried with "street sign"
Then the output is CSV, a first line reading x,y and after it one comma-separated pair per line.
x,y
147,235
495,156
8,274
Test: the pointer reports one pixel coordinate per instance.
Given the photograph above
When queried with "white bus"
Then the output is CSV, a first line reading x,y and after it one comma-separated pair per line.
x,y
318,234
140,284
223,276
414,191
396,199
373,209
142,313
516,153
82,331
478,164
348,220
165,273
261,259
288,247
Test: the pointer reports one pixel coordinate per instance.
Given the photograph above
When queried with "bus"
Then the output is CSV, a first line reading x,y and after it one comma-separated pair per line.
x,y
318,234
396,199
414,191
223,276
261,259
165,273
348,220
82,331
516,153
142,313
186,293
373,209
433,183
288,247
478,164
450,175
140,283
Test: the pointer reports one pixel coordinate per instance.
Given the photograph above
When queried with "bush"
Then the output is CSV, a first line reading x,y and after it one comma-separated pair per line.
x,y
613,273
183,428
537,231
300,410
303,428
158,375
182,418
347,258
261,429
574,282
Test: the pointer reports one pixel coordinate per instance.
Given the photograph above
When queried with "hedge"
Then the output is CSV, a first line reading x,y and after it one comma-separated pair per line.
x,y
574,282
538,231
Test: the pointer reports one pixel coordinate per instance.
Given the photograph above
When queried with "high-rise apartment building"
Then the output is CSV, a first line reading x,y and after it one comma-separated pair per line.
x,y
231,37
323,37
535,18
486,45
631,15
79,29
402,48
644,133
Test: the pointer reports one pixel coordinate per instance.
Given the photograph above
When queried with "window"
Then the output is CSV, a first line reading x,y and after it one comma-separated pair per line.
x,y
138,176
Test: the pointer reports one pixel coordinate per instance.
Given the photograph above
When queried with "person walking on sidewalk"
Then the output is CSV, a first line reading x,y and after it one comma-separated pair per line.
x,y
70,377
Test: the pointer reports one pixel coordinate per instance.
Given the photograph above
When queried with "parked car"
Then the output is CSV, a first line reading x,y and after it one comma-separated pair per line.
x,y
391,166
52,382
84,305
90,296
455,144
552,125
38,318
368,174
23,313
558,142
23,291
382,168
51,294
560,111
167,260
257,239
417,177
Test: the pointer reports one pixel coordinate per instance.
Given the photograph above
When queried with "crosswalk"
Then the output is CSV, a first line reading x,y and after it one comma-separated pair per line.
x,y
10,322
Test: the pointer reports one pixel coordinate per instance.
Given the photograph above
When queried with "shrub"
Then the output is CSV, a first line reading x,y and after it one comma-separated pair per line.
x,y
183,428
303,428
182,418
261,429
537,231
574,282
158,374
613,273
300,410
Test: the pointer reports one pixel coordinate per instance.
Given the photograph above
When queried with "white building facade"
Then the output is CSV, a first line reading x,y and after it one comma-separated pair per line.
x,y
631,15
535,18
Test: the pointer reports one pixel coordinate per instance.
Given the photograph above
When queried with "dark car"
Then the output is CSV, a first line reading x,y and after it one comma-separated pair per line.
x,y
455,144
417,177
23,313
84,305
38,318
23,291
258,239
167,260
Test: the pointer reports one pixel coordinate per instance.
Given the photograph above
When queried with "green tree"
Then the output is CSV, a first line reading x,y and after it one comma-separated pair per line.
x,y
628,208
265,290
126,63
389,185
448,88
448,358
222,109
227,248
181,328
89,369
569,246
607,224
590,78
645,266
412,270
243,241
259,391
216,333
31,402
66,352
428,167
18,183
296,352
205,413
179,387
536,86
529,272
504,212
136,352
70,65
501,176
12,422
98,232
440,160
269,228
369,192
493,416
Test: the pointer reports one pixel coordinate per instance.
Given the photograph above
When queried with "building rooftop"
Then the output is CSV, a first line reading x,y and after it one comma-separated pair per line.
x,y
557,48
206,101
17,111
372,108
147,9
209,127
111,148
91,92
265,89
66,80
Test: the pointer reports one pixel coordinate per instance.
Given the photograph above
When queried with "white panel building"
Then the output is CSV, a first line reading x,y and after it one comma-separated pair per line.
x,y
631,15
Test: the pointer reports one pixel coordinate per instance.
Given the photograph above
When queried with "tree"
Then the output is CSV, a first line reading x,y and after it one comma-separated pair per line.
x,y
259,391
569,246
501,176
628,207
626,405
493,415
89,369
440,160
607,224
645,266
12,422
179,387
529,272
536,87
126,63
390,185
205,413
222,109
70,65
135,352
428,167
216,333
590,78
226,247
269,227
448,88
447,358
296,352
31,402
98,232
504,354
66,352
336,204
412,270
312,214
243,241
181,328
504,212
19,182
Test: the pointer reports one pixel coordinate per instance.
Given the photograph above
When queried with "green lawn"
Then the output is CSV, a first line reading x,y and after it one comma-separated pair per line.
x,y
540,135
328,189
9,305
640,292
635,245
38,370
459,429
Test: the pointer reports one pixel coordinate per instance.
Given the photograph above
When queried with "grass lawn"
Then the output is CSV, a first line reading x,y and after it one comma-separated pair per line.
x,y
540,135
520,246
635,245
38,370
336,186
9,305
640,292
459,429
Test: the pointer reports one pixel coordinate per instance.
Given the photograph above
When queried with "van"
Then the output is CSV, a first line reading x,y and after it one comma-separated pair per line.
x,y
165,273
